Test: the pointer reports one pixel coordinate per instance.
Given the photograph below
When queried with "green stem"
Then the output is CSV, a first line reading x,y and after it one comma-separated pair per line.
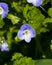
x,y
38,47
43,9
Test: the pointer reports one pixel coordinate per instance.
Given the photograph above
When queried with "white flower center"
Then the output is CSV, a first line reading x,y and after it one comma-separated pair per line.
x,y
26,32
27,36
1,10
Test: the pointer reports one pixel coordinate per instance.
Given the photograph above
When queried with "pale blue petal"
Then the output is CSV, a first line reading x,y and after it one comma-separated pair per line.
x,y
4,14
25,27
32,32
37,3
29,1
27,38
5,49
20,35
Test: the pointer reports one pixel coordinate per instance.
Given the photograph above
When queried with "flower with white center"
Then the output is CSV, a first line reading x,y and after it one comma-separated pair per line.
x,y
3,9
36,3
4,46
26,32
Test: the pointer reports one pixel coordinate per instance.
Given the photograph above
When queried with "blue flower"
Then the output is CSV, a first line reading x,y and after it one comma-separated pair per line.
x,y
4,47
36,3
3,9
26,32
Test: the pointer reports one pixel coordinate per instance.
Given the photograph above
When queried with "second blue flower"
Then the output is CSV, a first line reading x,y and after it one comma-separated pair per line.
x,y
3,9
26,32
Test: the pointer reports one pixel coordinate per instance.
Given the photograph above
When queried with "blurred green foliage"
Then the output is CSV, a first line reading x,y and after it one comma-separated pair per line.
x,y
19,59
40,18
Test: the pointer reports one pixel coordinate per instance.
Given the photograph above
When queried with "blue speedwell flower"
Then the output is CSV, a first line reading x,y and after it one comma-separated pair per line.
x,y
3,9
36,3
26,32
4,46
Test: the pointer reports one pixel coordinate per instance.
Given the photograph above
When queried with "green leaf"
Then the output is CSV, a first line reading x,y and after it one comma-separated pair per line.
x,y
1,22
17,6
43,30
16,56
2,32
44,62
51,2
50,12
51,45
17,39
45,2
47,22
9,37
14,19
